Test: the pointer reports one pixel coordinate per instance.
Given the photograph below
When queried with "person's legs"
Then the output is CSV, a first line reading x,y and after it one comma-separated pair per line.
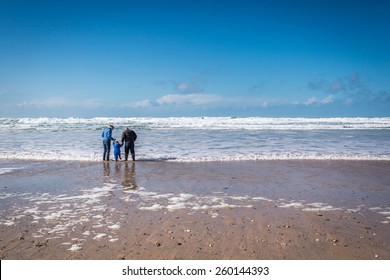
x,y
127,147
107,149
132,151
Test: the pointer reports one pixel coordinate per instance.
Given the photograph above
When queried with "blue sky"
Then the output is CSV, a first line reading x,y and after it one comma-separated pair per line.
x,y
194,58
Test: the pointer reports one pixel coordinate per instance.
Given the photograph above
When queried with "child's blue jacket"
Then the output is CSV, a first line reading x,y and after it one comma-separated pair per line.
x,y
117,148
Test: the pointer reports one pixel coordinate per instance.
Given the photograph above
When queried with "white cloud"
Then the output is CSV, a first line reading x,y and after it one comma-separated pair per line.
x,y
327,100
198,99
311,100
194,86
192,99
183,87
55,102
315,101
139,104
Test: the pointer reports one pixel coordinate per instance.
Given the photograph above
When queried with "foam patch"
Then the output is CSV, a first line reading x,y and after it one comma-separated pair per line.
x,y
61,215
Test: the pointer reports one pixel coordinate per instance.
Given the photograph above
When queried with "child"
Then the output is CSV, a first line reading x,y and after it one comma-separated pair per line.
x,y
117,149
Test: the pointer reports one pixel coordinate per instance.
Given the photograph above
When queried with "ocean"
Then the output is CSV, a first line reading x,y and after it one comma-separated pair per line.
x,y
197,139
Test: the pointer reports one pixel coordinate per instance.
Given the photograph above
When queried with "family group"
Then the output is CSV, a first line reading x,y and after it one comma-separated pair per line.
x,y
128,138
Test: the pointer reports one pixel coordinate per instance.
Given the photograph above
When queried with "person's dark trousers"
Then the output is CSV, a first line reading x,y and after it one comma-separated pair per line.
x,y
129,147
107,148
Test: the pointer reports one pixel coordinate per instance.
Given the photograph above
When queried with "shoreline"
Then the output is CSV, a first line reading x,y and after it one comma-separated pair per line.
x,y
366,158
283,209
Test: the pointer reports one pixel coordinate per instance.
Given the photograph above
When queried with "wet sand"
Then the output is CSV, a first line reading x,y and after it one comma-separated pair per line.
x,y
211,210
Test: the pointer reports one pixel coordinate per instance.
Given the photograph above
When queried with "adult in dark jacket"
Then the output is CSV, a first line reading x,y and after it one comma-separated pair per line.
x,y
129,137
107,137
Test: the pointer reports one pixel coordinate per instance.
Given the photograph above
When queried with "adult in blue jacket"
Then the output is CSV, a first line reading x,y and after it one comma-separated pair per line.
x,y
107,137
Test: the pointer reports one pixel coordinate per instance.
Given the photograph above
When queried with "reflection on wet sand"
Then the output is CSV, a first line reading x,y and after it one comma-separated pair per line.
x,y
129,181
106,169
124,172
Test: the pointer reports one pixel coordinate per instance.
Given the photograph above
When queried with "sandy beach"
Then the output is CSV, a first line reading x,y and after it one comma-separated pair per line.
x,y
206,210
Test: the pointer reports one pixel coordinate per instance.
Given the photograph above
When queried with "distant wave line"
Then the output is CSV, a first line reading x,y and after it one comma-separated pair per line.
x,y
207,123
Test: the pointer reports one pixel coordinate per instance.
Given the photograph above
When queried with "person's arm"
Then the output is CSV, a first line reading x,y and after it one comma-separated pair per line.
x,y
135,136
110,135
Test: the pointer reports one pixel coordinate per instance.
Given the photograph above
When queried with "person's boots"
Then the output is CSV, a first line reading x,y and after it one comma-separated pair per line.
x,y
126,156
133,156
